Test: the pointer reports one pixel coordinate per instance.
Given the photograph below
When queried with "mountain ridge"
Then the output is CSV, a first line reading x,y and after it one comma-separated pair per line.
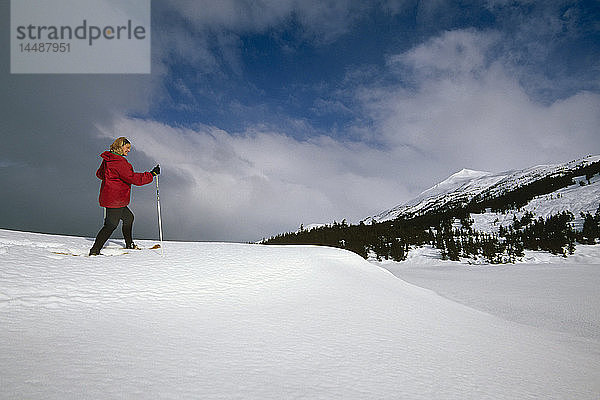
x,y
468,185
479,217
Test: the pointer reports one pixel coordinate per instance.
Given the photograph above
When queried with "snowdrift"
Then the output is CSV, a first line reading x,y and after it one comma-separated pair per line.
x,y
236,321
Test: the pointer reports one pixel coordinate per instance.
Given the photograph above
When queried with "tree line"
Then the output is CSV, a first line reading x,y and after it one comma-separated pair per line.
x,y
455,238
450,229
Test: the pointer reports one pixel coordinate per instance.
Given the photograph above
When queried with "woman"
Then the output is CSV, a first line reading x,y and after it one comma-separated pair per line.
x,y
117,177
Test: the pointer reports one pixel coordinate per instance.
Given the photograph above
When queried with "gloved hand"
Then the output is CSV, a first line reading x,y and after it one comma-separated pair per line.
x,y
156,170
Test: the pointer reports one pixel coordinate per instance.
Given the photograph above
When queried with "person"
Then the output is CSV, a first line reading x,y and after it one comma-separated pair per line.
x,y
117,176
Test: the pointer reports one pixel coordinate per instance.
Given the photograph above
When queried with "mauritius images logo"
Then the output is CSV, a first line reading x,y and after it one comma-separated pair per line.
x,y
80,36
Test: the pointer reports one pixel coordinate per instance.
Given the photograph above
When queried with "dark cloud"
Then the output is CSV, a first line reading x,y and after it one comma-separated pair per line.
x,y
50,143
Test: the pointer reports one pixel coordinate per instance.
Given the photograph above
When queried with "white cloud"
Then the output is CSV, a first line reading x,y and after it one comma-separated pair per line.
x,y
465,109
241,187
239,15
453,54
207,34
209,37
320,19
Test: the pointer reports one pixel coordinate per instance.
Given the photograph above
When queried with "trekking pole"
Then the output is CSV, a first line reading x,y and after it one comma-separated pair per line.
x,y
160,232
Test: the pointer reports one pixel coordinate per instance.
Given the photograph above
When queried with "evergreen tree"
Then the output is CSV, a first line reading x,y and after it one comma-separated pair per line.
x,y
591,227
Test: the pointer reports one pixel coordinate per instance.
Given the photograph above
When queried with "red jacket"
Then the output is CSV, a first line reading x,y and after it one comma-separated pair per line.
x,y
117,177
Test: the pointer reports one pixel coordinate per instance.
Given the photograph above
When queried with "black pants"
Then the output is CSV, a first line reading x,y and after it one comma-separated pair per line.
x,y
113,216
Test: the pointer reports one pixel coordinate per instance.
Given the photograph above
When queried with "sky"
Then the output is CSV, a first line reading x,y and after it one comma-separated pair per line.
x,y
265,115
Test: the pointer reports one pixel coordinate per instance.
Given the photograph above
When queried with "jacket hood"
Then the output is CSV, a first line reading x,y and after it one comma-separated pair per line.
x,y
110,156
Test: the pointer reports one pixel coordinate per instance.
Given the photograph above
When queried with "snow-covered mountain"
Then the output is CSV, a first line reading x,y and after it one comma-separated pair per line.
x,y
468,187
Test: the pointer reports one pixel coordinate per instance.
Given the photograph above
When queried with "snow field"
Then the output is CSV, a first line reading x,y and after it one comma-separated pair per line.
x,y
544,290
235,321
575,198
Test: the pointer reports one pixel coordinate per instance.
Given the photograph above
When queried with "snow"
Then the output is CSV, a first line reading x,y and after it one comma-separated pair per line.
x,y
466,184
544,290
244,321
454,182
576,199
461,186
310,227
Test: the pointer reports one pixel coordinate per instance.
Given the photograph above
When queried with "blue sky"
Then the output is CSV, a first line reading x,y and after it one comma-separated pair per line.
x,y
277,113
290,69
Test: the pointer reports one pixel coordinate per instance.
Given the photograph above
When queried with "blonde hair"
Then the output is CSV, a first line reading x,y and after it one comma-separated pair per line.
x,y
117,145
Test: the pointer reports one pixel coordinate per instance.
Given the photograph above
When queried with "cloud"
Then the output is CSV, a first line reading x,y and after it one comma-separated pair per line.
x,y
463,108
453,55
263,182
320,20
548,45
49,150
51,142
206,34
